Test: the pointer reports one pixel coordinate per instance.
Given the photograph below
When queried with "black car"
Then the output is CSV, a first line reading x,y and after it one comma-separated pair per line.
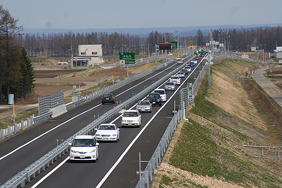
x,y
155,98
108,98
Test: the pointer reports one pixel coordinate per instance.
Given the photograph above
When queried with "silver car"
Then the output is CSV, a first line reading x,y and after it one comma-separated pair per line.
x,y
170,86
144,106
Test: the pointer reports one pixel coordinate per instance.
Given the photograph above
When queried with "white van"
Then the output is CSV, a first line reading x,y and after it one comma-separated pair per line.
x,y
162,93
280,62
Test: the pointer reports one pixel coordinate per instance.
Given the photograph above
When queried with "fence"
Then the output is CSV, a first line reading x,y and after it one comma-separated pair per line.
x,y
47,102
45,161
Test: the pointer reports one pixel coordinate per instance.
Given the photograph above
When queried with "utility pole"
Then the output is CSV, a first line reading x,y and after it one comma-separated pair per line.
x,y
71,57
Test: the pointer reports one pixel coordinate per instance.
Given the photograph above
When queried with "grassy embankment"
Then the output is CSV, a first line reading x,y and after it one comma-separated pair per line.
x,y
209,151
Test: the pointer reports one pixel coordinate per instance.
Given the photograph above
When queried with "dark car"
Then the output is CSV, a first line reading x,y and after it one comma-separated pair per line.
x,y
155,98
108,98
192,64
185,71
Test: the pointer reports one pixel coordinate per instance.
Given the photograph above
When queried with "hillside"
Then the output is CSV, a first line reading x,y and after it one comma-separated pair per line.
x,y
209,150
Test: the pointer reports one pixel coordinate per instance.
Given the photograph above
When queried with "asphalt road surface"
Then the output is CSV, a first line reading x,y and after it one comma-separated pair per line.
x,y
22,150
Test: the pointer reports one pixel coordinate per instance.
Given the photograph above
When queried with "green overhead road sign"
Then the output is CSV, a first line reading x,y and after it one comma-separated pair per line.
x,y
173,44
128,57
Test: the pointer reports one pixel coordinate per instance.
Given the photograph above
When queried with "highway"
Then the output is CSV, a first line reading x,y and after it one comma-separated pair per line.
x,y
20,151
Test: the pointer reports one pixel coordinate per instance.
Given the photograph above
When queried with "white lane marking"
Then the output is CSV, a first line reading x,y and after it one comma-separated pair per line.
x,y
125,151
50,173
20,147
48,132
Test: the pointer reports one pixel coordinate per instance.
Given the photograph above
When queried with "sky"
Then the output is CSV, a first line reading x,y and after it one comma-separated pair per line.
x,y
104,14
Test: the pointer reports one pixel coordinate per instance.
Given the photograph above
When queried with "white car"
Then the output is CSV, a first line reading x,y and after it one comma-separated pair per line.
x,y
107,132
195,61
180,74
144,106
188,68
162,93
175,79
84,148
131,118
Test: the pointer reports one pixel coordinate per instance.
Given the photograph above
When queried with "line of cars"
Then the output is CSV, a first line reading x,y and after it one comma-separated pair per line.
x,y
176,79
85,147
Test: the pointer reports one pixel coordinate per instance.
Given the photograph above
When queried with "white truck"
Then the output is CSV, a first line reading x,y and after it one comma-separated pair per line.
x,y
162,93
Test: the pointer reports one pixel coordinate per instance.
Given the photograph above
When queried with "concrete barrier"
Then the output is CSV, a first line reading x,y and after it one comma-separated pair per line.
x,y
59,110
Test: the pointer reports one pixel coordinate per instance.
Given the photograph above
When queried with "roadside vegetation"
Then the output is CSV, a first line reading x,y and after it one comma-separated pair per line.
x,y
210,151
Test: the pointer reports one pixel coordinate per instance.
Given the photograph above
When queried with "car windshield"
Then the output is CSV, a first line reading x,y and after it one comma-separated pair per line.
x,y
130,114
152,95
160,91
84,142
174,77
144,103
108,95
169,83
106,127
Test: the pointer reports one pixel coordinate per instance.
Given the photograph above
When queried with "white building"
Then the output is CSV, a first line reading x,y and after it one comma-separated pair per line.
x,y
88,55
278,52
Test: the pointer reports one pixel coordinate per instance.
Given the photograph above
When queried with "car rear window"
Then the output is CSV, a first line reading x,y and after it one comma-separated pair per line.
x,y
106,127
108,95
130,114
169,83
144,103
160,91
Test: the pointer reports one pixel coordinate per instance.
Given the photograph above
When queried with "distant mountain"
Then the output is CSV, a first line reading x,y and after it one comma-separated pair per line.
x,y
143,32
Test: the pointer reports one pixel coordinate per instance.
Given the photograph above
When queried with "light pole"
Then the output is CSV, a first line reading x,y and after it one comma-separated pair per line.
x,y
85,57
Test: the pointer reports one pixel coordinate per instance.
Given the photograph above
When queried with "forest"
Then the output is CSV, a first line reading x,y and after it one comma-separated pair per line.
x,y
65,44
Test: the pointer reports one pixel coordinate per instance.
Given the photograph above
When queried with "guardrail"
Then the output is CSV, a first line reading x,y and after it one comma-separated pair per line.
x,y
156,159
21,178
147,174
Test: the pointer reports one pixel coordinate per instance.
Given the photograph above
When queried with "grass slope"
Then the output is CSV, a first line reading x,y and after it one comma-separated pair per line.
x,y
211,145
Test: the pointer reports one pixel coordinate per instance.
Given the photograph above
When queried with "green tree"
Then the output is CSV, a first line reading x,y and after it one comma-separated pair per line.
x,y
27,75
9,64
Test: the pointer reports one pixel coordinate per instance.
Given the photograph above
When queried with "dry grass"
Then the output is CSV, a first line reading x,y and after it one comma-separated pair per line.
x,y
231,118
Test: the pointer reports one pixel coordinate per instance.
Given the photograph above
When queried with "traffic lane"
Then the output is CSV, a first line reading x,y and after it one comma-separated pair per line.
x,y
107,149
14,142
109,152
146,144
124,134
38,149
124,175
33,151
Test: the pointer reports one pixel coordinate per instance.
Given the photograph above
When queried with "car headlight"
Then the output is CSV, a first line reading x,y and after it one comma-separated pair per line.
x,y
114,134
98,135
73,151
92,151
